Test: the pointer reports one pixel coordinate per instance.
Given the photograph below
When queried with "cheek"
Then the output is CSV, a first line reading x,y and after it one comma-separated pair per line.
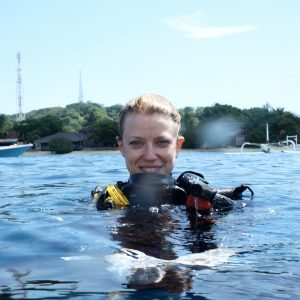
x,y
170,154
130,154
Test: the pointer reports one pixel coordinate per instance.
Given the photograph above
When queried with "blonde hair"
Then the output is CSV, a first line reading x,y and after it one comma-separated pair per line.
x,y
148,104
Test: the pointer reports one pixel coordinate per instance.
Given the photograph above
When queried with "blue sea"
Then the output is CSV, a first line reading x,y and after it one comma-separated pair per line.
x,y
55,245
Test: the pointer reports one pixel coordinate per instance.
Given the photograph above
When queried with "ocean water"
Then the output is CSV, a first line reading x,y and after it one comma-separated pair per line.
x,y
55,245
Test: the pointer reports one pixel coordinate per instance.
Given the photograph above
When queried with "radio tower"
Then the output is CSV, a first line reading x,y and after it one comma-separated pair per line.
x,y
20,114
80,95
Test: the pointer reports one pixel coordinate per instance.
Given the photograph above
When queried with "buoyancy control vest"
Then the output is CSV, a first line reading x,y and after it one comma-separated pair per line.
x,y
149,189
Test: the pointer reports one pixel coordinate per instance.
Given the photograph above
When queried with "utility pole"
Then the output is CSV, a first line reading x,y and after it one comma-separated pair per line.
x,y
80,95
20,115
267,133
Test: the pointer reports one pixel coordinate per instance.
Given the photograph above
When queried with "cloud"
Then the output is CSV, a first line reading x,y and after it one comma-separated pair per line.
x,y
190,27
291,81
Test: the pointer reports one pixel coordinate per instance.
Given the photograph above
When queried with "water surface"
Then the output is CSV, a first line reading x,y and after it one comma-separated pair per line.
x,y
46,215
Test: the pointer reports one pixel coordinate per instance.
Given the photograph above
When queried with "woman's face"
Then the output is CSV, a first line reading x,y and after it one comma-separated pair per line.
x,y
149,143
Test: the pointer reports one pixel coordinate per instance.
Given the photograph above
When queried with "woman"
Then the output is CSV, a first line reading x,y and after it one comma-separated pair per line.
x,y
149,140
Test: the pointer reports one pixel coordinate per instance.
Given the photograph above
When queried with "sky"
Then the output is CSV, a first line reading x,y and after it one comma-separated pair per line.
x,y
243,53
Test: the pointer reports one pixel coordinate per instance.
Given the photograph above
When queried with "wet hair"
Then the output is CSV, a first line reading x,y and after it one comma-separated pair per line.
x,y
148,104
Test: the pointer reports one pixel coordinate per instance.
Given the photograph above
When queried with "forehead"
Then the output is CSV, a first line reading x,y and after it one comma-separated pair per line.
x,y
138,123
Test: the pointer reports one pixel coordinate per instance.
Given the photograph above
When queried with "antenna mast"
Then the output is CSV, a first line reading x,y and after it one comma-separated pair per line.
x,y
80,95
20,114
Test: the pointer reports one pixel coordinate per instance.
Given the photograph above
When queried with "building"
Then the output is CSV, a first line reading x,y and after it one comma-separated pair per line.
x,y
77,139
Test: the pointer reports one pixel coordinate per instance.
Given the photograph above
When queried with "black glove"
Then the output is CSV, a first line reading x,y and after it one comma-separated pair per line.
x,y
200,195
235,193
195,184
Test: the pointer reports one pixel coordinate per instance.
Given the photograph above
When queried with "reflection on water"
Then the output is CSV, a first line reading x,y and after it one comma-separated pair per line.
x,y
166,233
153,232
25,288
46,215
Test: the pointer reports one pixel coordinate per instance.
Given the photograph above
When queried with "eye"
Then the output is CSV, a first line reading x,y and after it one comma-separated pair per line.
x,y
164,143
135,143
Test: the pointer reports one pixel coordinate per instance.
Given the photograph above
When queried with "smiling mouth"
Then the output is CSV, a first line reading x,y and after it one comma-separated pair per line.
x,y
150,169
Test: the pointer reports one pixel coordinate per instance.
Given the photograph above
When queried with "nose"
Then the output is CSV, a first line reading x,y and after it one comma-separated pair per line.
x,y
149,153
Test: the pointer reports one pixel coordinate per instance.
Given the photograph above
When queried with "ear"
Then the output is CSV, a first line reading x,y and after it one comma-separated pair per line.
x,y
179,143
120,145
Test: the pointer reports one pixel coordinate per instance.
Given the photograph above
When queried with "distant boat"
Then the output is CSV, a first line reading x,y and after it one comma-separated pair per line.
x,y
11,148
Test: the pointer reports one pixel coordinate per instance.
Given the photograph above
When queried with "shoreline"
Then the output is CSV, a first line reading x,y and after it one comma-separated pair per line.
x,y
218,150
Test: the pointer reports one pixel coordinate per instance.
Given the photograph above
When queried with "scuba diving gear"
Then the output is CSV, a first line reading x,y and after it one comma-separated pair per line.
x,y
110,197
200,195
141,190
152,179
235,193
195,184
151,189
115,196
146,190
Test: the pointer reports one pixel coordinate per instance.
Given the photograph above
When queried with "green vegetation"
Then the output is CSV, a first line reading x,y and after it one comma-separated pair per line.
x,y
205,127
6,124
60,145
216,126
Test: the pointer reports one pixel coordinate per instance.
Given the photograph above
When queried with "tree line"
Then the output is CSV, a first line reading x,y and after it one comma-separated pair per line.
x,y
203,127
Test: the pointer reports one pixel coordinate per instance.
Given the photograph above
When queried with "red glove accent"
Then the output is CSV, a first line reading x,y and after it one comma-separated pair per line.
x,y
198,203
